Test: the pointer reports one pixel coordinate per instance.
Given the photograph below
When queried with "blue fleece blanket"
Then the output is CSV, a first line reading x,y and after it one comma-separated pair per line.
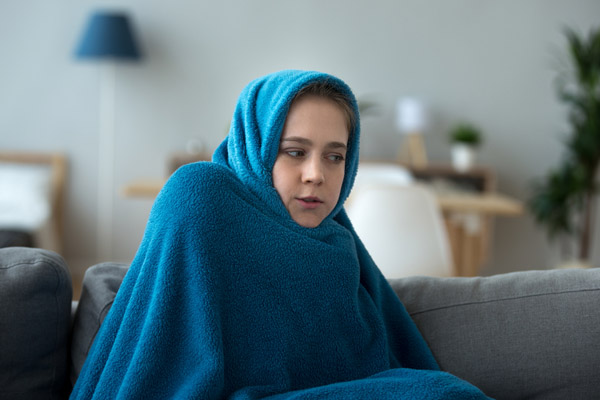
x,y
228,297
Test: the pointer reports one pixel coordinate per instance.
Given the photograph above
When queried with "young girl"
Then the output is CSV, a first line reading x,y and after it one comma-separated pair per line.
x,y
250,281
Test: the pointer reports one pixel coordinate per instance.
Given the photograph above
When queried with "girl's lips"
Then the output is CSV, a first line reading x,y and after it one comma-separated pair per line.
x,y
309,203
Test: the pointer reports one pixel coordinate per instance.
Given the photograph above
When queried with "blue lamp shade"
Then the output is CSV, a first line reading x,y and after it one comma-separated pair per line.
x,y
108,35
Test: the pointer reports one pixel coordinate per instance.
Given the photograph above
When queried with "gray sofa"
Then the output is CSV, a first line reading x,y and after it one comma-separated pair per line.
x,y
525,335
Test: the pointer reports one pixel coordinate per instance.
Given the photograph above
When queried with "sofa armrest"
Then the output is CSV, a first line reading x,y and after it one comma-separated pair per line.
x,y
35,305
531,334
100,285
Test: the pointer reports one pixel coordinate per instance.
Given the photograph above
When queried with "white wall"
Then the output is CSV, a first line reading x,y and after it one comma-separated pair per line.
x,y
490,62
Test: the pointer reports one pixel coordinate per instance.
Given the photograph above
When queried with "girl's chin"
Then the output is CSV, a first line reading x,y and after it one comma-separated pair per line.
x,y
311,222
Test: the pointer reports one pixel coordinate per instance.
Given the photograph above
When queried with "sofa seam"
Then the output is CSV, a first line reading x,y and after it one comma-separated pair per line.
x,y
470,303
35,261
98,324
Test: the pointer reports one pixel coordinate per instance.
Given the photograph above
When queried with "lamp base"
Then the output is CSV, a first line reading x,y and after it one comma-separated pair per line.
x,y
412,151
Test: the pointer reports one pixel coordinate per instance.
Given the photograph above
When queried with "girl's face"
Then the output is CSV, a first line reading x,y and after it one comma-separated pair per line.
x,y
309,169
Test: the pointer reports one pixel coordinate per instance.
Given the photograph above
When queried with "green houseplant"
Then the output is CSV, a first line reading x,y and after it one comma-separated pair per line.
x,y
465,133
563,201
465,138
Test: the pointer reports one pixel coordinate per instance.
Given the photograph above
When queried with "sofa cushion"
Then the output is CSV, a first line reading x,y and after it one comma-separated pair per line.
x,y
35,310
531,335
100,285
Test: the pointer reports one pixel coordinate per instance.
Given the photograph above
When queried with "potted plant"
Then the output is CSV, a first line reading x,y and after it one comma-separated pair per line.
x,y
465,139
564,200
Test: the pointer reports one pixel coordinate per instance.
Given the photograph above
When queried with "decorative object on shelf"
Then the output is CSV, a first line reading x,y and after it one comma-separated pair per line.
x,y
367,107
411,121
564,200
108,38
465,139
176,160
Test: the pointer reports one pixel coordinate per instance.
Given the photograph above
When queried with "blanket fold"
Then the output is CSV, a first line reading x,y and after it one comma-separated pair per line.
x,y
227,297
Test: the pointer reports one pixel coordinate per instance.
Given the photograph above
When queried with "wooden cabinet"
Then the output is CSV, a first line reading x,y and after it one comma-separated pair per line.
x,y
469,202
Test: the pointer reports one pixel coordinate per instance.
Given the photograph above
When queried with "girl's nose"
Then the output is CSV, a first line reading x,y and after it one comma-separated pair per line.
x,y
313,171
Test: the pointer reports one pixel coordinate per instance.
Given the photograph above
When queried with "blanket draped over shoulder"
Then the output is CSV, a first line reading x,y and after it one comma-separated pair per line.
x,y
228,297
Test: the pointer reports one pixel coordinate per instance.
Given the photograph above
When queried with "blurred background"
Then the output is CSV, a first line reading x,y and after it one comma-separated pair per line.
x,y
491,63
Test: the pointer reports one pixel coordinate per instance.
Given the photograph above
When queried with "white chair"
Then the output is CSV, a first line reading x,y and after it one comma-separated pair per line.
x,y
379,172
402,228
372,173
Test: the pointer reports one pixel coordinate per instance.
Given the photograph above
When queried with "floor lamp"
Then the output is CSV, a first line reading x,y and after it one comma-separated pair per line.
x,y
107,38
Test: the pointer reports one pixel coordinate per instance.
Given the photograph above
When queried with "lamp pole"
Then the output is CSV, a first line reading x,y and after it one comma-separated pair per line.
x,y
106,159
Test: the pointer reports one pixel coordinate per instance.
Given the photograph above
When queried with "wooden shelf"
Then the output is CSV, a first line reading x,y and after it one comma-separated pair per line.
x,y
486,203
478,179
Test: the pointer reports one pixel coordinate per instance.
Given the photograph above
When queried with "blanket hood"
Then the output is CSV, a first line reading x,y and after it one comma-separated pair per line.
x,y
252,145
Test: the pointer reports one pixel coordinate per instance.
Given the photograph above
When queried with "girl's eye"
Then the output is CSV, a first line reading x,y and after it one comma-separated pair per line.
x,y
295,153
336,158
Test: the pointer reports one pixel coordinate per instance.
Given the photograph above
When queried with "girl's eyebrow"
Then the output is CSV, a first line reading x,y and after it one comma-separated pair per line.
x,y
308,142
300,140
337,145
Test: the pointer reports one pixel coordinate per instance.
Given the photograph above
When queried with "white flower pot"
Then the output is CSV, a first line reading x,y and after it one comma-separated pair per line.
x,y
463,157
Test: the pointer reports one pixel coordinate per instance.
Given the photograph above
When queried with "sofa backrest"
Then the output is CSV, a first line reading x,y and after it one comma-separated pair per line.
x,y
520,335
100,285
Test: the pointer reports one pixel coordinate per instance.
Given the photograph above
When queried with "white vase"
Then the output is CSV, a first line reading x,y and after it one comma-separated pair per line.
x,y
463,156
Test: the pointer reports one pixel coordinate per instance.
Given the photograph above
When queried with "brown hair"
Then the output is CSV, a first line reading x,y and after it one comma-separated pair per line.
x,y
329,91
